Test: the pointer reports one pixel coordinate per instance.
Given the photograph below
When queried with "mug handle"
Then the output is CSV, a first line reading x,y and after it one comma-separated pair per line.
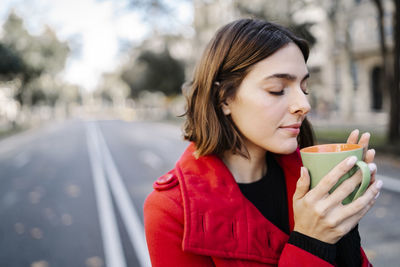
x,y
366,178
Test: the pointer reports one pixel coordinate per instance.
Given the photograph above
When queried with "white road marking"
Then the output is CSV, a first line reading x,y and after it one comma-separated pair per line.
x,y
114,256
127,210
390,183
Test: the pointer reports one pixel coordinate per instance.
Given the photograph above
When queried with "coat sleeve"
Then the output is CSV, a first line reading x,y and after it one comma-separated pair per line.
x,y
295,256
163,222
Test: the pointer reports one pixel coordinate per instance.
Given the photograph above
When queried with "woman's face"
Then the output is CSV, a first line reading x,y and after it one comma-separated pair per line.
x,y
271,102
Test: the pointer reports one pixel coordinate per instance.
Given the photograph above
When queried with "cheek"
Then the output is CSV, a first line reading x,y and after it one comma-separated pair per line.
x,y
272,112
258,114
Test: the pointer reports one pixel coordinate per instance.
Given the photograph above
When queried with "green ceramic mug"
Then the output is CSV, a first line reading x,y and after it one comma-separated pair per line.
x,y
320,159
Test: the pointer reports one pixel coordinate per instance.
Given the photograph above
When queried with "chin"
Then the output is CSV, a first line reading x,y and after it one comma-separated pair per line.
x,y
287,148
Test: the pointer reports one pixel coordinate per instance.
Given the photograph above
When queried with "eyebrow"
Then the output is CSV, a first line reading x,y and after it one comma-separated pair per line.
x,y
287,76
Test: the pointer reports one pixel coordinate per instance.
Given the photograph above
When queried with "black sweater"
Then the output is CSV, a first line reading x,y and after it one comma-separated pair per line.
x,y
268,195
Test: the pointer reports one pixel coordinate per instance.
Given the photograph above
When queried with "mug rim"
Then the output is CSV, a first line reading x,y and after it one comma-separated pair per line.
x,y
331,148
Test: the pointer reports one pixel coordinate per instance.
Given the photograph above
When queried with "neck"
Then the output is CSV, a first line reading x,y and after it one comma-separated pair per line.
x,y
247,170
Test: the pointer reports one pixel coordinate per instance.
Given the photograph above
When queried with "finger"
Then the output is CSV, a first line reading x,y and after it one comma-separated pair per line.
x,y
303,184
353,137
344,189
374,169
370,156
345,217
326,183
348,186
353,220
364,141
360,203
349,223
373,179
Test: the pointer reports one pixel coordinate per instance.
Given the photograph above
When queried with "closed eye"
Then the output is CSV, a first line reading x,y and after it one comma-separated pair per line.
x,y
278,93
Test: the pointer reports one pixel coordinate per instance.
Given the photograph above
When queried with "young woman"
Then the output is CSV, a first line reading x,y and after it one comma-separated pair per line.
x,y
239,195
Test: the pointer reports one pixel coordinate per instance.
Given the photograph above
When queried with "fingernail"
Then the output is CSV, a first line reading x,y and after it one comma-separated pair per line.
x,y
377,195
373,151
372,166
351,161
367,134
379,184
302,171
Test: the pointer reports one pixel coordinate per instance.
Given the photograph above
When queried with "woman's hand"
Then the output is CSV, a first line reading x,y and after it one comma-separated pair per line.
x,y
321,215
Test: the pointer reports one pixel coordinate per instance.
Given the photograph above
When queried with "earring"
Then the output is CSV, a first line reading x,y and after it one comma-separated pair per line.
x,y
225,108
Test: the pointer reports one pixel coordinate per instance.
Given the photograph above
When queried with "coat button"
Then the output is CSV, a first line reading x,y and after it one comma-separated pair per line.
x,y
165,179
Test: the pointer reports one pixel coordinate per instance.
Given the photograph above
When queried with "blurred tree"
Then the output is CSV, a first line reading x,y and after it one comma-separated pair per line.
x,y
382,42
112,90
155,72
387,79
31,57
150,6
37,97
11,63
394,123
391,81
17,39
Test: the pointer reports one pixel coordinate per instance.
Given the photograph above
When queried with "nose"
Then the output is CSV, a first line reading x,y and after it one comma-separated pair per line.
x,y
299,102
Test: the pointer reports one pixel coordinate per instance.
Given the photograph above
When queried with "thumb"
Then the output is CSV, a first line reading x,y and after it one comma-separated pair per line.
x,y
303,184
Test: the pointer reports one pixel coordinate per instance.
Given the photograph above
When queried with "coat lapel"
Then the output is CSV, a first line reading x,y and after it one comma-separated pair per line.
x,y
218,220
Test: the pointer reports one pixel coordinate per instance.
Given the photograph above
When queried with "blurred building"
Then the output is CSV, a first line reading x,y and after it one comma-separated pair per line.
x,y
345,63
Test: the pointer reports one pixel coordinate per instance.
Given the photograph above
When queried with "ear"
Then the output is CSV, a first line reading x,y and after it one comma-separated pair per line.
x,y
225,108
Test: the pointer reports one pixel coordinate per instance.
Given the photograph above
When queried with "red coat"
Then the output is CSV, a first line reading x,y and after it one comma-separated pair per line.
x,y
207,221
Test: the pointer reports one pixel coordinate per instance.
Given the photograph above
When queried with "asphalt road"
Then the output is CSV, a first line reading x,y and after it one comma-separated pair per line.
x,y
72,193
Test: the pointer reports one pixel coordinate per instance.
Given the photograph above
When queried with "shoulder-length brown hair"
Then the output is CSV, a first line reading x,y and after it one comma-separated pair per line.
x,y
225,62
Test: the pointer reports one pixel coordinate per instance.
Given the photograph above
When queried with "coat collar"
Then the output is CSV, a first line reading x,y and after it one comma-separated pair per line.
x,y
219,220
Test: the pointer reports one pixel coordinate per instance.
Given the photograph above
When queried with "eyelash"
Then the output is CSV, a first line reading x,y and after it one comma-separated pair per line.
x,y
277,93
283,92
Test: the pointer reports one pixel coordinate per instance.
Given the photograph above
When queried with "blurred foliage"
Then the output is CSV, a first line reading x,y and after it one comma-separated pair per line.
x,y
153,72
11,63
150,6
112,89
26,57
156,11
106,97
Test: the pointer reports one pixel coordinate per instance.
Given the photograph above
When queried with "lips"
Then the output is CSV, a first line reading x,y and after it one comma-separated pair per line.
x,y
293,128
296,125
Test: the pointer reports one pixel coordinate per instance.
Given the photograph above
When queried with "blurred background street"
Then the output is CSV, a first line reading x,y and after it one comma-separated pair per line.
x,y
49,204
90,99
